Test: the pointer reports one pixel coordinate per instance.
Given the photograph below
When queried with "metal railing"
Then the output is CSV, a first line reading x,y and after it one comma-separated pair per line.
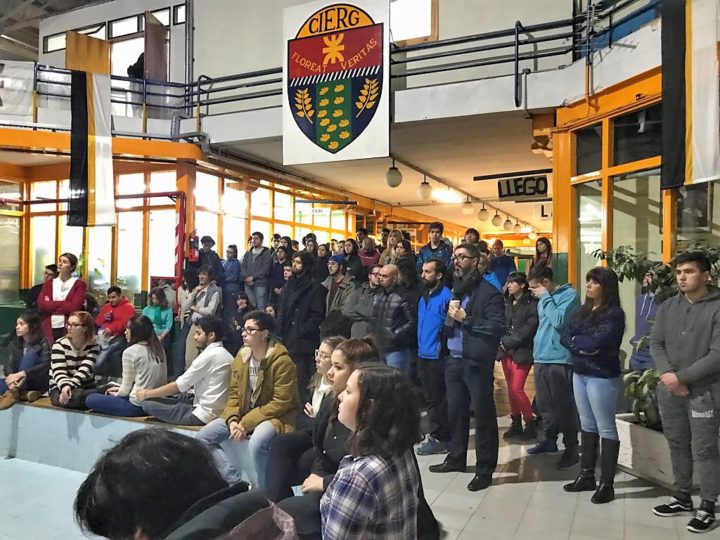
x,y
521,49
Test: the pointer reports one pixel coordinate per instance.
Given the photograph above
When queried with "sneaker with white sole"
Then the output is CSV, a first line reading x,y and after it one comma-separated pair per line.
x,y
431,446
704,518
674,507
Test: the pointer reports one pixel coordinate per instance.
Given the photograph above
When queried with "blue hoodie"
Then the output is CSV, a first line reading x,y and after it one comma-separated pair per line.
x,y
432,311
554,310
646,308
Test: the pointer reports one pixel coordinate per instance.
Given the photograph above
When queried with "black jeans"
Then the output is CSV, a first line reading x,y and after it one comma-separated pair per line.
x,y
291,457
432,378
556,402
468,380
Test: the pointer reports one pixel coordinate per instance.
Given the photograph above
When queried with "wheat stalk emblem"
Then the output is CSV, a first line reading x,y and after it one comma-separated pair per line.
x,y
303,104
368,96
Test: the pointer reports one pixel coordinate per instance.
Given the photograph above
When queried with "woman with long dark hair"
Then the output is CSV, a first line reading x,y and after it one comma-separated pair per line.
x,y
144,366
543,253
61,296
515,353
353,263
26,373
379,480
593,336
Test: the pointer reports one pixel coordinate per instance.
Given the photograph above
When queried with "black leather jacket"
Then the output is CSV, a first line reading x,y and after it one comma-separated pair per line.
x,y
394,320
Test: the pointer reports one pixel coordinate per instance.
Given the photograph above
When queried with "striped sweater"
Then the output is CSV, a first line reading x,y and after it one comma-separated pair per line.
x,y
72,367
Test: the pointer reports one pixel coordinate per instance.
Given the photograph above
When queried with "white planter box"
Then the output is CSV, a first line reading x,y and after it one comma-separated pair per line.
x,y
644,452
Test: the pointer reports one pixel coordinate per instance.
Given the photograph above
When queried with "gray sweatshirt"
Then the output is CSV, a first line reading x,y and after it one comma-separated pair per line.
x,y
685,338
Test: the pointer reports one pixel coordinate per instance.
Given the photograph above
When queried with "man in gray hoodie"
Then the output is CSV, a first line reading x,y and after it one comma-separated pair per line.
x,y
685,344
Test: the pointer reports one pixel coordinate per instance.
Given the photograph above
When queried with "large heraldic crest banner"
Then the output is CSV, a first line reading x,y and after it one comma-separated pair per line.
x,y
336,81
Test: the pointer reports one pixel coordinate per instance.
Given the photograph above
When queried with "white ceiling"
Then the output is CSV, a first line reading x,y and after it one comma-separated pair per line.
x,y
453,150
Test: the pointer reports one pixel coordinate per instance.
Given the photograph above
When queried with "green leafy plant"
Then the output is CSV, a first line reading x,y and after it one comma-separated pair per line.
x,y
640,390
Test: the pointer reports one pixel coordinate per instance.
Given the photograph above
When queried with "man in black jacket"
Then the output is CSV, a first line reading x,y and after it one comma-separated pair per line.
x,y
302,310
475,324
394,320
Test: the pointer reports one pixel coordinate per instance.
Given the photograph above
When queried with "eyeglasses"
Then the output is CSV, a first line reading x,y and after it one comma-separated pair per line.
x,y
250,330
321,354
73,325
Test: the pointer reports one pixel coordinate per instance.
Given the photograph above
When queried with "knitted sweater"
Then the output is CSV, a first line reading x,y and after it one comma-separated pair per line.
x,y
72,367
140,370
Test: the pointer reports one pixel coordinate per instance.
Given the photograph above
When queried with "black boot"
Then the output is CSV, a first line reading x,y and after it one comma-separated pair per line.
x,y
515,430
531,431
586,480
608,464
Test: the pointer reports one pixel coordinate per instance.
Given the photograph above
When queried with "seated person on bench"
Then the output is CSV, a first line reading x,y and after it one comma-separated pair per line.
x,y
143,366
72,362
209,375
112,322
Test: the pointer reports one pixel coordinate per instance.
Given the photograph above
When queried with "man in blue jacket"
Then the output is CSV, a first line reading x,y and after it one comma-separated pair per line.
x,y
553,368
435,248
432,311
472,332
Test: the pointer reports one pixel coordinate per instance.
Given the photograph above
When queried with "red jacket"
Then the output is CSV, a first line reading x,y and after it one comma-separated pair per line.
x,y
47,307
115,318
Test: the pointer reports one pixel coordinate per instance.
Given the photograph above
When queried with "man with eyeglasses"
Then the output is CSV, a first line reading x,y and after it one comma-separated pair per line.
x,y
341,289
473,328
394,320
360,308
301,312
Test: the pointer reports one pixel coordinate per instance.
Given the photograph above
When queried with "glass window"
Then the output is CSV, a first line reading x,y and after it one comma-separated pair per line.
x,y
260,203
122,55
125,27
283,206
179,14
99,260
162,15
303,213
206,191
63,193
162,181
43,190
588,149
411,19
321,216
589,232
206,223
637,135
234,199
96,31
697,213
71,238
337,220
283,230
10,190
54,43
161,252
323,237
301,232
130,184
234,233
129,267
637,222
10,264
43,245
261,226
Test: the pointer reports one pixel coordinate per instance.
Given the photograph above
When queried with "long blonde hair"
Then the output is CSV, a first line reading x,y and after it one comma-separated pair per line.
x,y
388,255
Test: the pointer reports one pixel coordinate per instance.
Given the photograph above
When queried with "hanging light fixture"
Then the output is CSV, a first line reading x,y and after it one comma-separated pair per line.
x,y
467,208
424,190
533,235
393,176
508,225
517,227
496,220
483,214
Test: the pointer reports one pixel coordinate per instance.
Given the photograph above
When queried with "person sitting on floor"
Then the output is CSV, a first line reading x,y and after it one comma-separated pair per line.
x,y
263,399
143,366
208,375
316,468
147,476
112,321
26,373
72,362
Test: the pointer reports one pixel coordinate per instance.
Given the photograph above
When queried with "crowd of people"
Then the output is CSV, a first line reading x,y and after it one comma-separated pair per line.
x,y
309,360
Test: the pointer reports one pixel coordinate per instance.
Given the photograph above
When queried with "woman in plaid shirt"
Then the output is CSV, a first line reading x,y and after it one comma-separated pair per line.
x,y
374,494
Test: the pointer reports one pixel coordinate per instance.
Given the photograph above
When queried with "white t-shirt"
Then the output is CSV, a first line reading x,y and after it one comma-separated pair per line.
x,y
254,370
60,291
318,395
209,374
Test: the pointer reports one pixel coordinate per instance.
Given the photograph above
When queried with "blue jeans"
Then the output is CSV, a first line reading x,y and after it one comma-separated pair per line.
x,y
257,294
30,359
397,359
113,405
596,399
217,432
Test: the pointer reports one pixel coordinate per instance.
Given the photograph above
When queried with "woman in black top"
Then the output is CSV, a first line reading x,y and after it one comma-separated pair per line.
x,y
593,336
516,353
353,262
329,442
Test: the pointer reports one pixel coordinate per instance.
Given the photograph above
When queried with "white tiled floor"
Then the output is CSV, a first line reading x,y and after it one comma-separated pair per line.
x,y
525,502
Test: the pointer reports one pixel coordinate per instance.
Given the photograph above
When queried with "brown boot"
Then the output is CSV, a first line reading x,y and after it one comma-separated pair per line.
x,y
30,396
9,398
